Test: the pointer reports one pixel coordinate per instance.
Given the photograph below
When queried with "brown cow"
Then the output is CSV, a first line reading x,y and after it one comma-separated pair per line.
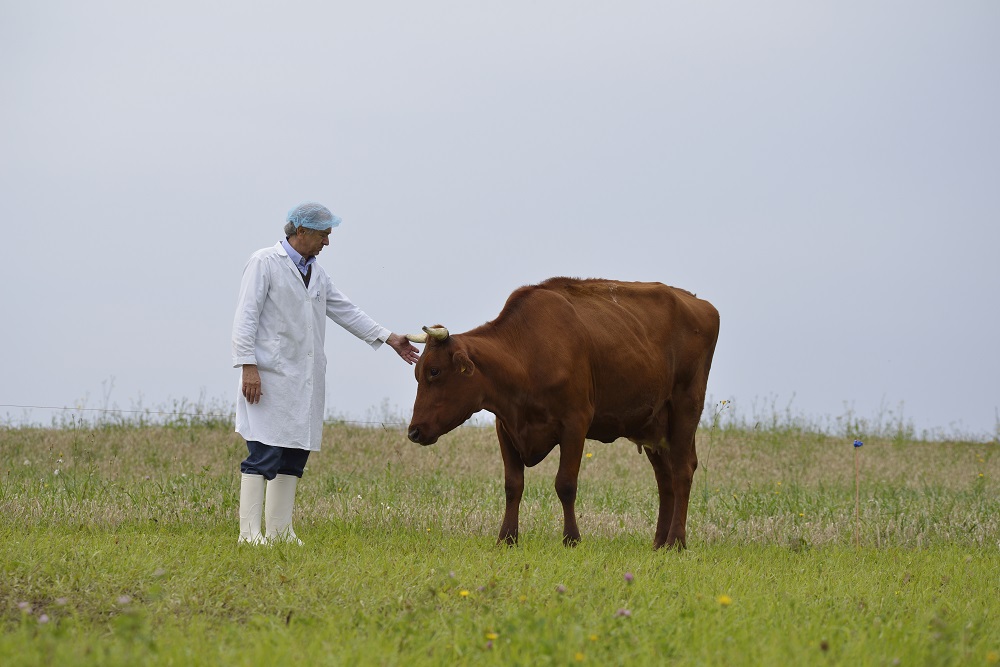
x,y
572,359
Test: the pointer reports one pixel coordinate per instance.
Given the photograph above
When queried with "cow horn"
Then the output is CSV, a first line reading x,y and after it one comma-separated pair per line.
x,y
437,333
417,338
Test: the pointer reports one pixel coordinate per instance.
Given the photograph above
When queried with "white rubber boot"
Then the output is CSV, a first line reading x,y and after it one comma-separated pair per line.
x,y
251,505
278,509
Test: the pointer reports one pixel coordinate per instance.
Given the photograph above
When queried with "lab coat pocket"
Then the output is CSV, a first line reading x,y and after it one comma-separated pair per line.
x,y
269,355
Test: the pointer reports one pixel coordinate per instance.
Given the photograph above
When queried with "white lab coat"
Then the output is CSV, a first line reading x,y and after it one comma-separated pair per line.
x,y
280,326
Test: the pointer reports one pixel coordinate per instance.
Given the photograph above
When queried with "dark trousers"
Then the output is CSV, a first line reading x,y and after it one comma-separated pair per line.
x,y
270,461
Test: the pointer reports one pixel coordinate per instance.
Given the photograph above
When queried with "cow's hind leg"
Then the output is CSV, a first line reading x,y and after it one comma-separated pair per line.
x,y
513,484
661,469
684,418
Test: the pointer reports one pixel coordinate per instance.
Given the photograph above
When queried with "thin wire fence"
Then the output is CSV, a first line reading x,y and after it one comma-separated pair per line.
x,y
141,416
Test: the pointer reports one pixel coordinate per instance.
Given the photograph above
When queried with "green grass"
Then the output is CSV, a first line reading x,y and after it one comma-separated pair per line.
x,y
128,554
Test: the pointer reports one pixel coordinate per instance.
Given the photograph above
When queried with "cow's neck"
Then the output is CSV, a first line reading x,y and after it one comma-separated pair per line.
x,y
503,375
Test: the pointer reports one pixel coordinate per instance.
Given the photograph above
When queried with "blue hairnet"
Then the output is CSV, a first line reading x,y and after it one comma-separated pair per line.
x,y
312,216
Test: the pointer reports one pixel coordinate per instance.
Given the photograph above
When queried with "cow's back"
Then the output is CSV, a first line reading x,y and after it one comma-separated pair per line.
x,y
645,341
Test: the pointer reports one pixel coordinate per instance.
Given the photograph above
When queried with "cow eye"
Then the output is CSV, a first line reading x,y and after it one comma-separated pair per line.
x,y
435,372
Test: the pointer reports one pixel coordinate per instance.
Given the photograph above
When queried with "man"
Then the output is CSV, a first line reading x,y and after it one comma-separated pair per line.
x,y
278,336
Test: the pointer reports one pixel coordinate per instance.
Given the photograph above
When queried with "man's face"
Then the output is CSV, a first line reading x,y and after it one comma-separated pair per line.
x,y
312,240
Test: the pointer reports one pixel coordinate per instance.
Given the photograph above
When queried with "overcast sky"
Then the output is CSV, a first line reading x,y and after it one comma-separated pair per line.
x,y
826,173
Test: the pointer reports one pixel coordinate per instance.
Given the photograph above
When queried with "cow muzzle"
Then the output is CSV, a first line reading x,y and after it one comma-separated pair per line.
x,y
419,437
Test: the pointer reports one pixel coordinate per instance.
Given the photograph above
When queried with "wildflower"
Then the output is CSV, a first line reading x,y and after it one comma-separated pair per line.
x,y
124,599
628,577
24,606
590,455
624,613
578,657
43,619
593,638
489,644
993,657
27,462
560,589
724,600
60,601
858,443
522,598
56,472
464,593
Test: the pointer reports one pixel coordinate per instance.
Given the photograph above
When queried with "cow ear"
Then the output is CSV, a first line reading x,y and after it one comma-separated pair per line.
x,y
463,363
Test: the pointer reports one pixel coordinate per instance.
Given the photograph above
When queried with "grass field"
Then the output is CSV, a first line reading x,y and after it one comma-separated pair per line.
x,y
118,546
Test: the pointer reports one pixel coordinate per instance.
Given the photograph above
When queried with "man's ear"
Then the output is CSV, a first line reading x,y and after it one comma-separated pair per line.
x,y
463,363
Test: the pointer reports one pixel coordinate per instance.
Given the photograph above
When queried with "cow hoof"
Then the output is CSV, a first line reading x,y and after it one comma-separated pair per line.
x,y
509,541
670,546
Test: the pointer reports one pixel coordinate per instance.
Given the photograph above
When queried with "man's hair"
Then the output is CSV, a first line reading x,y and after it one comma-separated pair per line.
x,y
289,229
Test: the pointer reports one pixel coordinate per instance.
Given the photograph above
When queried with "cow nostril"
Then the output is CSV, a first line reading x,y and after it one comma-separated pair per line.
x,y
414,434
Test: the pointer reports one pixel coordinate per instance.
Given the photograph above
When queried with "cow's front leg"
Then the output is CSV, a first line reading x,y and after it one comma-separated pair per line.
x,y
570,455
513,484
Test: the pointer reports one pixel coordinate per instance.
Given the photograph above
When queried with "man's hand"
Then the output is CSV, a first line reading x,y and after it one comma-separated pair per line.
x,y
403,347
251,383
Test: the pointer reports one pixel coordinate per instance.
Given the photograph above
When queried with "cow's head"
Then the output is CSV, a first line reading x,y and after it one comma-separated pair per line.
x,y
447,394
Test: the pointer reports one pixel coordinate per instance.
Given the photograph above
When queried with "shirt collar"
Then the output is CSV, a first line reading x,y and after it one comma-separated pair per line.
x,y
301,263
